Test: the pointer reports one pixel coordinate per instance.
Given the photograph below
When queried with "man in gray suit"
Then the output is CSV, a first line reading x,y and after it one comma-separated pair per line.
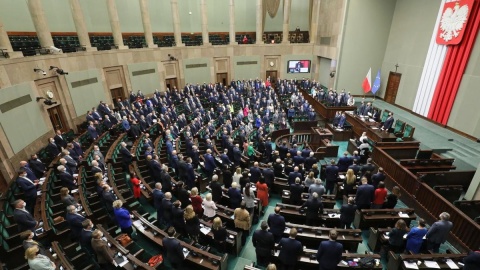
x,y
437,234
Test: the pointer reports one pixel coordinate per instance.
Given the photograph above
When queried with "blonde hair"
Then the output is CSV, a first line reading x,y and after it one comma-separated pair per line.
x,y
63,192
310,175
239,170
189,213
99,176
31,252
208,197
271,267
350,177
194,191
117,204
217,223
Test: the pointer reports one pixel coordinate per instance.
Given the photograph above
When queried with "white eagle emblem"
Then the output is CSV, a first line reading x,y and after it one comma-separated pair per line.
x,y
452,21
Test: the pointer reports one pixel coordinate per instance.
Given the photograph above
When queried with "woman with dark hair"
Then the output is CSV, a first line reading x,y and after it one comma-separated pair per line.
x,y
135,185
395,237
244,179
262,192
415,237
392,198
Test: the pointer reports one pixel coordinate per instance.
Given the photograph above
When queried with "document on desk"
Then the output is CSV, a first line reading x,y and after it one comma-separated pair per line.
x,y
341,176
138,224
451,264
185,252
205,230
431,264
334,215
374,128
339,129
403,215
410,265
287,230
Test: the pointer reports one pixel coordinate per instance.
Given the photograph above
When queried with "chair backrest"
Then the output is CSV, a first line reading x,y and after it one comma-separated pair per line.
x,y
408,131
399,125
384,115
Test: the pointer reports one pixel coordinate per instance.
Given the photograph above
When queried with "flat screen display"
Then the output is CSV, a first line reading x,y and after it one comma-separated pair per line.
x,y
298,66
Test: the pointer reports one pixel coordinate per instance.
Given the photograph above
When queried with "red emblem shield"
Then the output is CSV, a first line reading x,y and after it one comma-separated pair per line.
x,y
453,22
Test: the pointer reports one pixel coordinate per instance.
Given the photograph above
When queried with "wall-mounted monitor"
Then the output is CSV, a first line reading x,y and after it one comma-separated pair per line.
x,y
298,66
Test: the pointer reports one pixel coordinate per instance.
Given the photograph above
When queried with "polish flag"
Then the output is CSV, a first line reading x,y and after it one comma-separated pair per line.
x,y
367,82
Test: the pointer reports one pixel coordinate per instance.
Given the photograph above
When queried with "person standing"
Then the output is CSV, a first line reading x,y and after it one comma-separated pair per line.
x,y
242,221
329,252
136,185
296,191
220,235
364,196
29,188
392,198
438,232
347,214
415,237
313,206
158,196
472,261
290,251
380,196
23,218
276,222
101,249
395,237
331,174
123,217
264,242
38,261
74,220
262,192
249,198
174,249
209,207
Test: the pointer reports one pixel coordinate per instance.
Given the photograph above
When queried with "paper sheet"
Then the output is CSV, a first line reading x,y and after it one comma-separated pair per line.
x,y
341,176
205,230
374,128
431,264
451,264
409,265
124,262
403,215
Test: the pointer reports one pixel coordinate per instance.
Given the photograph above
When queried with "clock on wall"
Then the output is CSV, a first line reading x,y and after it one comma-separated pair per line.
x,y
50,94
272,63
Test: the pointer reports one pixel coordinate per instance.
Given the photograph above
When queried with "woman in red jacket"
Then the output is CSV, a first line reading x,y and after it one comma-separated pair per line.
x,y
262,192
135,184
380,195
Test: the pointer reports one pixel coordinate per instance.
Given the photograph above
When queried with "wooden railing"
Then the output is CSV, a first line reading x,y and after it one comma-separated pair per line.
x,y
465,233
326,112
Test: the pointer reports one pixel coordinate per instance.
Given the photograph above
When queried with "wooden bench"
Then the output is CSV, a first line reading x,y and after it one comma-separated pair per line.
x,y
382,218
397,262
329,218
449,192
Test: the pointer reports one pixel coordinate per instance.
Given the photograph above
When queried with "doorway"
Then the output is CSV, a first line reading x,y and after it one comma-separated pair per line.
x,y
392,87
273,76
117,93
57,118
171,83
222,78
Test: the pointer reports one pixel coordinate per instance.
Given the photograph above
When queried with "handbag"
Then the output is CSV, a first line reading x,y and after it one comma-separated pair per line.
x,y
155,260
124,239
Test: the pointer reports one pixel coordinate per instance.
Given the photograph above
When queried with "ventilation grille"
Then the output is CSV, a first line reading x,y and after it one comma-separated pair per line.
x,y
143,72
14,103
84,82
196,65
246,63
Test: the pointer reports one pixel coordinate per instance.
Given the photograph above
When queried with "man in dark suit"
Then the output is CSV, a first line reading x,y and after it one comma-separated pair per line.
x,y
298,159
237,155
344,162
167,206
438,232
378,177
365,195
276,222
126,156
369,167
216,188
355,167
59,140
296,191
52,148
174,249
209,163
290,251
387,125
86,236
66,178
92,131
313,207
309,161
329,252
23,218
283,150
331,175
293,175
268,175
29,189
165,179
108,198
190,174
255,173
347,213
37,166
74,221
225,159
264,242
158,196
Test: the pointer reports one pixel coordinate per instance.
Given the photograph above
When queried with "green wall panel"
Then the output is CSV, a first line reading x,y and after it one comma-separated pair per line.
x,y
197,74
246,72
85,97
142,78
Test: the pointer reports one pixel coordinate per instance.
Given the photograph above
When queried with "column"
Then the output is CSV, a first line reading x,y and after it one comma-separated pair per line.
x,y
231,13
176,24
314,23
40,23
259,23
147,27
286,20
203,9
115,24
79,21
5,43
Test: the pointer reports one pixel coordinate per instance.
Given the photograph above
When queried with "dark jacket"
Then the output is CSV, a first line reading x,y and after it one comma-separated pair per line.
x,y
276,224
75,223
313,207
24,220
174,250
438,232
263,242
365,194
329,254
347,213
290,250
104,253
